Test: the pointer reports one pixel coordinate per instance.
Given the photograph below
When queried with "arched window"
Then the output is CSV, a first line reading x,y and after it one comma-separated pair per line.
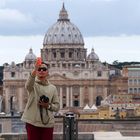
x,y
98,100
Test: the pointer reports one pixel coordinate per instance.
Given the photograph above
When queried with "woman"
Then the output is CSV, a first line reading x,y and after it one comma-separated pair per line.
x,y
43,100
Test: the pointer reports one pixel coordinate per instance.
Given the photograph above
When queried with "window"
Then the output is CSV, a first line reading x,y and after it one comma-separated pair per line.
x,y
70,54
64,105
54,54
53,65
76,96
130,90
139,81
76,103
64,96
135,81
99,73
62,55
130,82
12,74
64,65
135,90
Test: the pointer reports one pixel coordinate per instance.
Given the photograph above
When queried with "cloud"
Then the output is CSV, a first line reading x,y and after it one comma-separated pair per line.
x,y
15,22
13,16
99,17
2,3
122,48
15,48
103,0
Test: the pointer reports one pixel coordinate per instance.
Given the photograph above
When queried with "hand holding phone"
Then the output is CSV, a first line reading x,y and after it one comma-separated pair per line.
x,y
38,61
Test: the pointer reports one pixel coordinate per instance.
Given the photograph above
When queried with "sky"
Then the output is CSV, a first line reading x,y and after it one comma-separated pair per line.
x,y
111,27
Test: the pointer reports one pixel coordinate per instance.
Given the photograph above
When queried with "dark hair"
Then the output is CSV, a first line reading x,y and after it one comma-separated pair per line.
x,y
45,64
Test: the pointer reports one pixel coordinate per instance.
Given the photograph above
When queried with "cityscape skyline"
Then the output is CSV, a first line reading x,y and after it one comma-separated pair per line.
x,y
112,33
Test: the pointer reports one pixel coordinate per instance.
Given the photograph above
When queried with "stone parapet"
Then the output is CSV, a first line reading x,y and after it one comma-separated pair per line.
x,y
57,136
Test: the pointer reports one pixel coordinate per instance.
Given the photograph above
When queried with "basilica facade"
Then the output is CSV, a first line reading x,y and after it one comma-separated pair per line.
x,y
80,78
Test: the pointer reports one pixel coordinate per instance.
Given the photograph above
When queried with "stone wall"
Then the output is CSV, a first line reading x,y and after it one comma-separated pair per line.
x,y
11,125
12,128
57,136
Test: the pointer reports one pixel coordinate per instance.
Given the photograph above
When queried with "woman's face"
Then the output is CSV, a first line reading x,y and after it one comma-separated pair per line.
x,y
42,71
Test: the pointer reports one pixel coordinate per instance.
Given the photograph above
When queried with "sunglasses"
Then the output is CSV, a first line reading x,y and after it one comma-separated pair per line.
x,y
42,68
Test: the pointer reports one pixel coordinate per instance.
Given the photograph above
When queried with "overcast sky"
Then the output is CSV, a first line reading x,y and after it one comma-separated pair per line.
x,y
111,27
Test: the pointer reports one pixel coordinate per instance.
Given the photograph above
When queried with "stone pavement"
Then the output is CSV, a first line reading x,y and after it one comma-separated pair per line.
x,y
112,136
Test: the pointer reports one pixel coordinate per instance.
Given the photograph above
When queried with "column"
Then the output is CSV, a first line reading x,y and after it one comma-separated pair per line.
x,y
7,99
61,98
81,96
71,97
90,96
20,99
67,96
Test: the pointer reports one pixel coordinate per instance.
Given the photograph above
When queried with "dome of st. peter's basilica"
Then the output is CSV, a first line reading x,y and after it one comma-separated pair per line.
x,y
63,32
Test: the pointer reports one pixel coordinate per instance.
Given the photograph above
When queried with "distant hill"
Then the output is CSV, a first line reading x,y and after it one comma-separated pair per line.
x,y
120,65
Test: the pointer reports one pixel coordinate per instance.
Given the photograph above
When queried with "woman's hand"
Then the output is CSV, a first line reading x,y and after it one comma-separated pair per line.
x,y
37,64
44,104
